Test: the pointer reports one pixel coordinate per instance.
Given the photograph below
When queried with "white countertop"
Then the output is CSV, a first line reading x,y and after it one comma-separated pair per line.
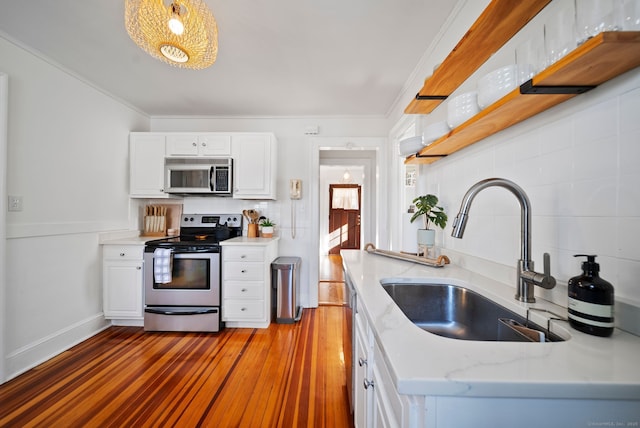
x,y
133,238
126,237
243,240
422,363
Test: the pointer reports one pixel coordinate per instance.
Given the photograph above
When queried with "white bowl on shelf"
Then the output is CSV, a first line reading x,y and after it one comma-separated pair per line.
x,y
462,108
410,146
434,131
497,84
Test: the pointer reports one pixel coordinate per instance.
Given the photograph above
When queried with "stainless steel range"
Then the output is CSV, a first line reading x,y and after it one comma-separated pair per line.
x,y
182,274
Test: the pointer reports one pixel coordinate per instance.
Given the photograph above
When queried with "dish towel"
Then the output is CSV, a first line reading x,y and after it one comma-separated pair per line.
x,y
162,258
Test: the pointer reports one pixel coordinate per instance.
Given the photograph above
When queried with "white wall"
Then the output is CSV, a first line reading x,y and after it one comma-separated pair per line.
x,y
4,102
578,164
68,159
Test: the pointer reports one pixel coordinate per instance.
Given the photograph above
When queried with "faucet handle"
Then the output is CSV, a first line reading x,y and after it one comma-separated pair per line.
x,y
544,280
547,281
546,261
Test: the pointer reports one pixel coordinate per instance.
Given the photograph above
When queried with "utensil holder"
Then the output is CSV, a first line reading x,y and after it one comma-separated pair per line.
x,y
252,230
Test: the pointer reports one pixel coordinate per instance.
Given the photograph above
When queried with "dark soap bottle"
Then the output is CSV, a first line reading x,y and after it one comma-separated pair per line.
x,y
591,300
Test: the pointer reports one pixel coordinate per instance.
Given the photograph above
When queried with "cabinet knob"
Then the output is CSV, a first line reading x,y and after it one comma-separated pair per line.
x,y
243,256
244,290
193,144
204,144
243,309
138,267
367,383
243,271
121,254
362,362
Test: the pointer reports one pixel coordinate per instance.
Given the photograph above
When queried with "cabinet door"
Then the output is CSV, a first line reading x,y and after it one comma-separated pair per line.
x,y
214,145
182,145
253,166
146,174
122,289
363,396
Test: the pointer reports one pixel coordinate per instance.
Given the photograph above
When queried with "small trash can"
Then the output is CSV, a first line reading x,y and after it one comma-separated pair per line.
x,y
285,279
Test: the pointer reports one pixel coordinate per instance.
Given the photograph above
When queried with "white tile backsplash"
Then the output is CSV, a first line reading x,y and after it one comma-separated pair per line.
x,y
579,163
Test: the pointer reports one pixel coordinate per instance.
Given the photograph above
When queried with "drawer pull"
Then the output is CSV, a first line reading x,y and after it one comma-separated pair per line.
x,y
362,362
244,290
243,271
244,256
367,383
243,309
122,254
139,267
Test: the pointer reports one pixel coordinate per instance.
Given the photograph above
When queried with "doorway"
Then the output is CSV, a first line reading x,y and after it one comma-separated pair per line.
x,y
345,201
364,157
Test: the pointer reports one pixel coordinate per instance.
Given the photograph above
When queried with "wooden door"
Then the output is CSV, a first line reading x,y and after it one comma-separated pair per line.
x,y
344,217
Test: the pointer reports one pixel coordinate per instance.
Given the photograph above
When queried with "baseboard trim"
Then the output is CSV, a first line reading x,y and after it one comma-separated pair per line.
x,y
35,353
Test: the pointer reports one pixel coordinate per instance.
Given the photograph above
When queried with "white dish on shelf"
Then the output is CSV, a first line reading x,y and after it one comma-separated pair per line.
x,y
434,131
462,108
410,146
497,84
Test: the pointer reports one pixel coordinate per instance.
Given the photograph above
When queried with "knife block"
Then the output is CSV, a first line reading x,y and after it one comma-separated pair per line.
x,y
155,225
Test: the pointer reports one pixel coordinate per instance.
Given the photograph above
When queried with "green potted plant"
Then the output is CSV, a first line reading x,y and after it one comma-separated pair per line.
x,y
267,228
427,208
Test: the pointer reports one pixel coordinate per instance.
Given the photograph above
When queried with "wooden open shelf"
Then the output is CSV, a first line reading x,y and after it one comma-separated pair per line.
x,y
599,59
495,26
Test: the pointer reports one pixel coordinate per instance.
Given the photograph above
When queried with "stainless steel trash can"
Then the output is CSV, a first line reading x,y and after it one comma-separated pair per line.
x,y
285,279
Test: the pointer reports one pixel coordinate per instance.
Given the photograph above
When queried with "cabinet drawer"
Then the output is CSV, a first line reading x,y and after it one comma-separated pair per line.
x,y
248,254
243,271
243,309
243,290
123,252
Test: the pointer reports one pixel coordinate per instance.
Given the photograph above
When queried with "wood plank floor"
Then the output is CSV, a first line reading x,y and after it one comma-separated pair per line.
x,y
331,287
289,375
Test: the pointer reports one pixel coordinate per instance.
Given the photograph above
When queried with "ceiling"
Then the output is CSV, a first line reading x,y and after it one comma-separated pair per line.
x,y
276,58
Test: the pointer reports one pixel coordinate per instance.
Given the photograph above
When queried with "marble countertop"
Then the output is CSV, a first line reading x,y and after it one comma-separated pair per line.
x,y
422,363
243,240
132,237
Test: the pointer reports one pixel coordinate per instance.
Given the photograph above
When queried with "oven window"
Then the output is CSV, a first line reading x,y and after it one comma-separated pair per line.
x,y
188,274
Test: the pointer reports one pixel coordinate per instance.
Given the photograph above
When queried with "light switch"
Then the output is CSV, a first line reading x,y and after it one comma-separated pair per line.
x,y
15,203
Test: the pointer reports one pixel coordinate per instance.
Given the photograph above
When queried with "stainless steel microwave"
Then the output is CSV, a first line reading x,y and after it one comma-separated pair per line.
x,y
201,176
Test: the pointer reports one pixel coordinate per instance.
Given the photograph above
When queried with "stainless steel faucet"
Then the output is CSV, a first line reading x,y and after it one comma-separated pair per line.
x,y
527,277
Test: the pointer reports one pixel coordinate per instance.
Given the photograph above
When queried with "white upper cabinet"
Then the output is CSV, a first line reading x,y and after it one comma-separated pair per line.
x,y
146,163
196,144
255,158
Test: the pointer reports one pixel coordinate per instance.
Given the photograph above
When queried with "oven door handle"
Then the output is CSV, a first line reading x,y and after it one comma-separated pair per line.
x,y
199,251
166,310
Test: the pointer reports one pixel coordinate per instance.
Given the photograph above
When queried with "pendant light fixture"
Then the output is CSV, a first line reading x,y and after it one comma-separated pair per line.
x,y
182,33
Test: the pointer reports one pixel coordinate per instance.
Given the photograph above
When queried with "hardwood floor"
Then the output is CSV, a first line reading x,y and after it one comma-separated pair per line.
x,y
331,287
289,375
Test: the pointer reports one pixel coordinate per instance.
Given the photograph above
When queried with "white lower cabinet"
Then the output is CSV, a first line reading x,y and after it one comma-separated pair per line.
x,y
122,285
376,400
246,284
363,360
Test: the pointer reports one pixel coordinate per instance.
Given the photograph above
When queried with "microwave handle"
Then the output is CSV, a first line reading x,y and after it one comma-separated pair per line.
x,y
212,178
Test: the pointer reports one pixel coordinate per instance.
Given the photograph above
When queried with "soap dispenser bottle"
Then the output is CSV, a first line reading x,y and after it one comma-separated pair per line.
x,y
591,300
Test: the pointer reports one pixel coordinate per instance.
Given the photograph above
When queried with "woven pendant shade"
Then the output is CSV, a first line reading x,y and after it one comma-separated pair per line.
x,y
147,23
